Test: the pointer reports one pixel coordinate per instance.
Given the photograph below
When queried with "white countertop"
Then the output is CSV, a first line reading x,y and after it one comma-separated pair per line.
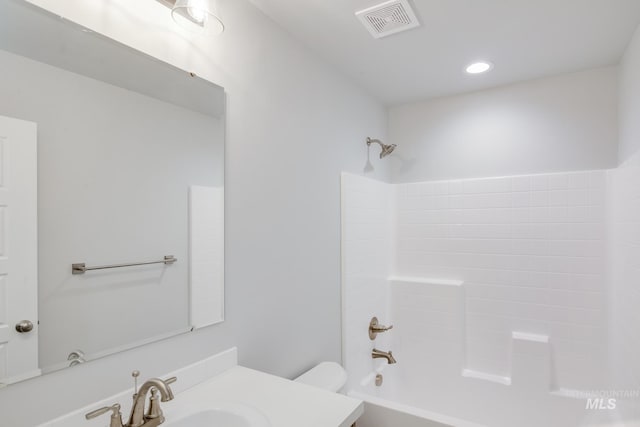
x,y
218,380
285,403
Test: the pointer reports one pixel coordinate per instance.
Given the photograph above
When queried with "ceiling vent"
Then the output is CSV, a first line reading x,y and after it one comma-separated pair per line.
x,y
388,18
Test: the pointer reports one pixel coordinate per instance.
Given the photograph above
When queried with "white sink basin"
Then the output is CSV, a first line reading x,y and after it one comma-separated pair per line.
x,y
221,415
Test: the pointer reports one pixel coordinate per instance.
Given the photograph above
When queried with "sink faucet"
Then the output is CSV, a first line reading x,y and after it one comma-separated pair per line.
x,y
377,354
138,418
154,416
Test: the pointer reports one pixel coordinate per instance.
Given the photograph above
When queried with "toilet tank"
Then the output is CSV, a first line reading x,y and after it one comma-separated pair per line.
x,y
326,375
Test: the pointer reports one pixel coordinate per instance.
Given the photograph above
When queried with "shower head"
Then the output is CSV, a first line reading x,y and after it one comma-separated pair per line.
x,y
386,149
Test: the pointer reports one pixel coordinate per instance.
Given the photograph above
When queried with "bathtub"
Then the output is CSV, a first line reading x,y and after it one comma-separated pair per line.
x,y
384,406
385,413
399,403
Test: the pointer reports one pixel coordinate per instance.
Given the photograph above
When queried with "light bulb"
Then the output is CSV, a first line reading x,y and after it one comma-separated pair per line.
x,y
198,16
479,67
197,10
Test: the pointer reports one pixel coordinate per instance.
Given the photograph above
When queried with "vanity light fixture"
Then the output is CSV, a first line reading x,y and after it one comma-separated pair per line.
x,y
200,16
479,67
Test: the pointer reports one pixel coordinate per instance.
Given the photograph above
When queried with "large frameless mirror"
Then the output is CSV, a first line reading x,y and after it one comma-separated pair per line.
x,y
111,196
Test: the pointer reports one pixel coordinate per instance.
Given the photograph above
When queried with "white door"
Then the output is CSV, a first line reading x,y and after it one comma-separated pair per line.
x,y
18,250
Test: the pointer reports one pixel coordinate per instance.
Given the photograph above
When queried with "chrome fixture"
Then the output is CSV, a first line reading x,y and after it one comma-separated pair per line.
x,y
375,328
378,354
24,326
386,149
200,16
138,418
81,268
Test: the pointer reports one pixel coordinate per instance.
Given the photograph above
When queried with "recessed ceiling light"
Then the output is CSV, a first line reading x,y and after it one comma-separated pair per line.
x,y
479,67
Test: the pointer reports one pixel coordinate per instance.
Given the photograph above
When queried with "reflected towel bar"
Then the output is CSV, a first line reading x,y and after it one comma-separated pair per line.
x,y
81,268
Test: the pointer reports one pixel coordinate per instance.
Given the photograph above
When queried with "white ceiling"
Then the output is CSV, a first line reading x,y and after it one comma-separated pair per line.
x,y
525,39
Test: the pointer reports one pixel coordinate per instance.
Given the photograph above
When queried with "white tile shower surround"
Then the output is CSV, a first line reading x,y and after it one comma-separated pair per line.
x,y
367,209
529,309
531,253
626,272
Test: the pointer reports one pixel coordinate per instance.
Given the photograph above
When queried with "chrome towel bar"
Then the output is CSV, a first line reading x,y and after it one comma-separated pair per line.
x,y
81,268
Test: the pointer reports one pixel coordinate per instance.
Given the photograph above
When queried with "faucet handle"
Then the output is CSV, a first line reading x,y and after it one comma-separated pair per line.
x,y
154,406
154,410
375,328
116,415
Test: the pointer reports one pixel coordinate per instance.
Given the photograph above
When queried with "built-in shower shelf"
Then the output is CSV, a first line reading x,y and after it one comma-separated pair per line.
x,y
425,281
525,336
468,373
576,394
530,363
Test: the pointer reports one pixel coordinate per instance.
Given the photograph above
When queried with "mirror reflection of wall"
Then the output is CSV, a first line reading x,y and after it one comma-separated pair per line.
x,y
115,167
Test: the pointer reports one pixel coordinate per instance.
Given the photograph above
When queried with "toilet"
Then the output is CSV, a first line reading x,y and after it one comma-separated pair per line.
x,y
326,375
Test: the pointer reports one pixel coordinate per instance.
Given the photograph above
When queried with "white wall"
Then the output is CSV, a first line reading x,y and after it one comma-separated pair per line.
x,y
630,100
293,125
557,124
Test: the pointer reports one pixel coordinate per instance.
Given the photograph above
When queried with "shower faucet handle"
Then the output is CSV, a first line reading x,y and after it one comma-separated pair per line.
x,y
376,328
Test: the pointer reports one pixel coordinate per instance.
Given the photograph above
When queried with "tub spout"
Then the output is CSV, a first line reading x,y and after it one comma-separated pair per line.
x,y
377,354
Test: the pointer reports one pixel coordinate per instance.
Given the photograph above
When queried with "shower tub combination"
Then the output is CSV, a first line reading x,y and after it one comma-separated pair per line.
x,y
428,386
496,291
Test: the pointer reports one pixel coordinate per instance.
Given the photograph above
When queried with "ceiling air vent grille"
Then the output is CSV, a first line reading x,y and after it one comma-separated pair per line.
x,y
388,18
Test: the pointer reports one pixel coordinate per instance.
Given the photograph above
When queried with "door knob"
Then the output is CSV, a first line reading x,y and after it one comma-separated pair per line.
x,y
24,326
